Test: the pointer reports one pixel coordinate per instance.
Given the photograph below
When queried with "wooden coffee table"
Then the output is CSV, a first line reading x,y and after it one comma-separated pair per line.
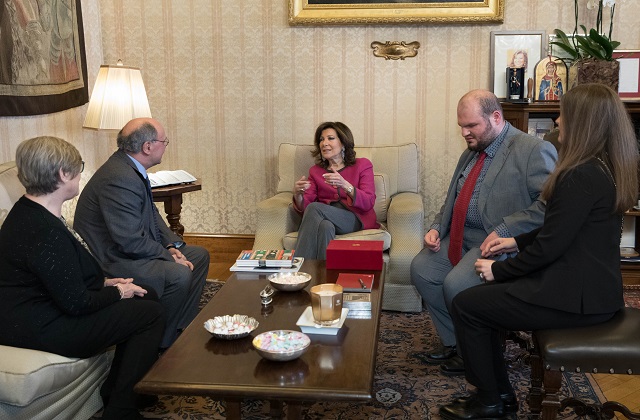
x,y
334,368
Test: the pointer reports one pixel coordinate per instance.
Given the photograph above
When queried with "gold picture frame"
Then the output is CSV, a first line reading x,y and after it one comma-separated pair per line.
x,y
337,12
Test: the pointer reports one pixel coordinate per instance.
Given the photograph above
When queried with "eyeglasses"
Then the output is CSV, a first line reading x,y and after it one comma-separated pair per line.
x,y
82,169
165,141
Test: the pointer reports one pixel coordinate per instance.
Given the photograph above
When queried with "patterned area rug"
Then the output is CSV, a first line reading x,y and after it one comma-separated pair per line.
x,y
405,386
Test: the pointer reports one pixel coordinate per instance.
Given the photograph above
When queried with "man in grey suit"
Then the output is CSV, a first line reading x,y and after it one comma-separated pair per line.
x,y
116,216
502,202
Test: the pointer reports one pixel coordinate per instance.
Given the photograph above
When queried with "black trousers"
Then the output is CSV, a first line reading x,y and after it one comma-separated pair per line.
x,y
481,313
135,326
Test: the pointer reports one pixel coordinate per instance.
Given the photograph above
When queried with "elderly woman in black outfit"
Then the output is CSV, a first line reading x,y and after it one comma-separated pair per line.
x,y
53,294
565,274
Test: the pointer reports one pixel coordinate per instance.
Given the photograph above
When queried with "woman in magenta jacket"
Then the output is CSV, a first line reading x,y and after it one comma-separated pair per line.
x,y
339,194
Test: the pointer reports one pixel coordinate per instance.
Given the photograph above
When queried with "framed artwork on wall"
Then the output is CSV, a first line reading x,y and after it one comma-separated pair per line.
x,y
551,77
43,68
514,49
357,12
629,84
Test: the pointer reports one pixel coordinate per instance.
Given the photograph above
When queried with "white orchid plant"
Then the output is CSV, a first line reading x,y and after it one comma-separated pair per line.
x,y
593,43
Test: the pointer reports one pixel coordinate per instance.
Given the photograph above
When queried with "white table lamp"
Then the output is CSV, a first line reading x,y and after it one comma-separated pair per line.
x,y
117,97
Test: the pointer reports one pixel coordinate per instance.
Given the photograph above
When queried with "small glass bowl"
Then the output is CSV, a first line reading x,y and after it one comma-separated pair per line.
x,y
289,282
231,327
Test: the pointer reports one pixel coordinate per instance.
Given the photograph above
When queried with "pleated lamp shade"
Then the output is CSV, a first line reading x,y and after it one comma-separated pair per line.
x,y
117,97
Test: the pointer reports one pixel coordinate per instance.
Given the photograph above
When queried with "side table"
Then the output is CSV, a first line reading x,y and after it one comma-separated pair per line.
x,y
171,196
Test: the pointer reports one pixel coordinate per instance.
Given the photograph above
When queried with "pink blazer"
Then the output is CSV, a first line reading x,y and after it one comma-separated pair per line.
x,y
360,175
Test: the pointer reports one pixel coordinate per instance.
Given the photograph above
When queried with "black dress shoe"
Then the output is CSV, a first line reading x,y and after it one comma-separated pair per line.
x,y
509,402
146,401
471,409
453,366
443,353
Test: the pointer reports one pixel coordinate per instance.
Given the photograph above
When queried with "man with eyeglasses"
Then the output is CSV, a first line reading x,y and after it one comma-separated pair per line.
x,y
116,216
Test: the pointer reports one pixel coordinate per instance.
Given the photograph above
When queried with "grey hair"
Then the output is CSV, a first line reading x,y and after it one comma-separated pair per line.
x,y
39,161
134,141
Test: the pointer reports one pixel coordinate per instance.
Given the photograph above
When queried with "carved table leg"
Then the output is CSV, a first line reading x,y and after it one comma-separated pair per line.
x,y
173,207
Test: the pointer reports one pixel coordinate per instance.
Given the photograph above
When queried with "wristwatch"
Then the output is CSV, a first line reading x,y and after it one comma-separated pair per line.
x,y
176,245
349,190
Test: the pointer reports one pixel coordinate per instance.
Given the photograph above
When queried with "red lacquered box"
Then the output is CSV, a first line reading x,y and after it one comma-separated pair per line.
x,y
354,255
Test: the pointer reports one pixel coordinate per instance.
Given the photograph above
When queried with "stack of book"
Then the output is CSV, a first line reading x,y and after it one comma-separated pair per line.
x,y
356,294
265,258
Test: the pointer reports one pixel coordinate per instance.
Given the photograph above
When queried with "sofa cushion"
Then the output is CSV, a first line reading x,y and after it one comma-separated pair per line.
x,y
10,188
27,374
381,182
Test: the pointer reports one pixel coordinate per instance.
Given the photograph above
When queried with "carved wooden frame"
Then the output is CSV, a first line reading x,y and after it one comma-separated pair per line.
x,y
427,11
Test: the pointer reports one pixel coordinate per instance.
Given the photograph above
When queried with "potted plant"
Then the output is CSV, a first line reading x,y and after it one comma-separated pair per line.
x,y
590,53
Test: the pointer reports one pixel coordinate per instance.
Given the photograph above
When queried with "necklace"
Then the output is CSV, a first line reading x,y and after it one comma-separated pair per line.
x,y
616,188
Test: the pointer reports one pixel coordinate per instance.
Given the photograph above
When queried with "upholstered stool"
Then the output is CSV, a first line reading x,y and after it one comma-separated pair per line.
x,y
613,346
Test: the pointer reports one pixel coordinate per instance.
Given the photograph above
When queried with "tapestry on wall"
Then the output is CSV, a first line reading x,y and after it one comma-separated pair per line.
x,y
43,66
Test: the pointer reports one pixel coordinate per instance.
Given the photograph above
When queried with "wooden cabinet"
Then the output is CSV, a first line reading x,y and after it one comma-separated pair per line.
x,y
518,115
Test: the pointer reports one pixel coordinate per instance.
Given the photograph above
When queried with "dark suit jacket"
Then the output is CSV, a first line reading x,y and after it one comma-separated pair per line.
x,y
572,263
115,217
511,187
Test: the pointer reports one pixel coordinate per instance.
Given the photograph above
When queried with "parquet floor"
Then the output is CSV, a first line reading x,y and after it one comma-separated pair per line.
x,y
624,389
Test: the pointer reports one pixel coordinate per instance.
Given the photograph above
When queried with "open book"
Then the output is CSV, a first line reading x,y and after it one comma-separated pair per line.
x,y
164,178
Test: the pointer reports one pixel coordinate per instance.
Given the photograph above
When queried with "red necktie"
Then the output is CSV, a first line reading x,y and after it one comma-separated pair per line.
x,y
460,211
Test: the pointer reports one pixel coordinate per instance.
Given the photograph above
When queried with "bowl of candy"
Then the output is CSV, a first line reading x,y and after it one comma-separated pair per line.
x,y
289,282
281,345
231,327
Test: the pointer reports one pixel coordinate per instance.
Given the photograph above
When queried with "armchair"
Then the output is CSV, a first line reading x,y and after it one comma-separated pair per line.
x,y
36,384
399,210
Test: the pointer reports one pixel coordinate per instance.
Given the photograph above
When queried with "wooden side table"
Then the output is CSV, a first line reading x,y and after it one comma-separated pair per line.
x,y
171,196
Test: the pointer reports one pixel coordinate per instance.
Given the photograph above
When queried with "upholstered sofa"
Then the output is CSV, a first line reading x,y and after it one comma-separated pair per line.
x,y
40,385
398,207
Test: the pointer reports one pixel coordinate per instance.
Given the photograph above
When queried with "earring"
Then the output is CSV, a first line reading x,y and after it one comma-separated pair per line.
x,y
342,153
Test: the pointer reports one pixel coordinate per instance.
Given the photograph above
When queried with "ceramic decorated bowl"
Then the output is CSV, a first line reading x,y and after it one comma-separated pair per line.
x,y
281,345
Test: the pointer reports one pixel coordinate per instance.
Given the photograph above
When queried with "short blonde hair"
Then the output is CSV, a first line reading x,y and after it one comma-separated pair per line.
x,y
39,161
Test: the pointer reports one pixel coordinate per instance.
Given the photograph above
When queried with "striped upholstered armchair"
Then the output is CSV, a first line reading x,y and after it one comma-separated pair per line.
x,y
398,207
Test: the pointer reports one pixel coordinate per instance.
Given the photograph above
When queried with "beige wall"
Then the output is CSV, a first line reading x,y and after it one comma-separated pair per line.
x,y
231,80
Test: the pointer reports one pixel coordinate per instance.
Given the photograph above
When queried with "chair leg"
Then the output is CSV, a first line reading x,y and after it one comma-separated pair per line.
x,y
536,392
551,401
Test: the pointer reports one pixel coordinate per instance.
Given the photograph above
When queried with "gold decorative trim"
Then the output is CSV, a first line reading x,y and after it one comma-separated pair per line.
x,y
347,13
395,50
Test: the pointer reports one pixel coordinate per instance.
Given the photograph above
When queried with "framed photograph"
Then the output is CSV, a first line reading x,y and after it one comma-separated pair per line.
x,y
629,84
556,51
551,77
357,12
514,49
